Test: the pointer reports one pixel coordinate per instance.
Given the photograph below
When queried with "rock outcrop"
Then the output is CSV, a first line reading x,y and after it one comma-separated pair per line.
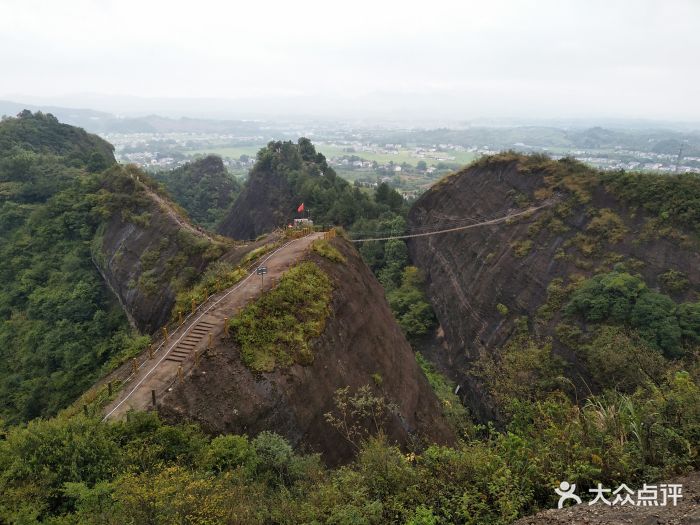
x,y
146,249
267,202
285,175
361,344
482,280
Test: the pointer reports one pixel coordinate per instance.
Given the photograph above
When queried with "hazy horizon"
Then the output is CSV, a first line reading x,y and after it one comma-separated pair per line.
x,y
507,59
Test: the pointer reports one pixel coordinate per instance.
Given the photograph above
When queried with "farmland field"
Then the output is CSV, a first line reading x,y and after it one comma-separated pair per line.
x,y
401,156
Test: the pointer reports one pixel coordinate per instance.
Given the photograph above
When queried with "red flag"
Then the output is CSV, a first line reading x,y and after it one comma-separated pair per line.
x,y
301,207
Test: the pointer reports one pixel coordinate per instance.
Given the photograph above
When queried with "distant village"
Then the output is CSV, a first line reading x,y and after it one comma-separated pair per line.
x,y
409,168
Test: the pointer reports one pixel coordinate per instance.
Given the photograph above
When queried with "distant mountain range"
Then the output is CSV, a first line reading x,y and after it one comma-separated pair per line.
x,y
103,122
385,110
637,135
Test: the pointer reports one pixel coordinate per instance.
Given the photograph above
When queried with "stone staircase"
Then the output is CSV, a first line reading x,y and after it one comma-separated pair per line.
x,y
191,341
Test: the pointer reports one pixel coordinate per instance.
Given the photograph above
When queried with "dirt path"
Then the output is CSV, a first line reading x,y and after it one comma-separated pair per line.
x,y
192,338
173,214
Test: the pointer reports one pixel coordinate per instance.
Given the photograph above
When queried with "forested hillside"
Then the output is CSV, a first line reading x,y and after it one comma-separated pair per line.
x,y
286,175
42,133
66,225
203,188
59,324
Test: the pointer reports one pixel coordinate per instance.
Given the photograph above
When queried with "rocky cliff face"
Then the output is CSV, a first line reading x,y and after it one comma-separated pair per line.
x,y
285,175
482,280
360,345
267,202
146,249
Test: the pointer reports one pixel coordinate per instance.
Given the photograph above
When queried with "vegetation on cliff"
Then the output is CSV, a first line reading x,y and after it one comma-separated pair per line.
x,y
59,325
631,332
203,188
597,382
145,248
43,134
324,249
276,330
620,298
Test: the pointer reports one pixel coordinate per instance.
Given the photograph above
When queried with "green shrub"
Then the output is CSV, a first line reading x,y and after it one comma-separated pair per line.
x,y
276,330
521,248
228,452
618,297
674,281
218,276
454,411
255,254
325,249
620,359
607,226
674,199
410,305
524,369
557,294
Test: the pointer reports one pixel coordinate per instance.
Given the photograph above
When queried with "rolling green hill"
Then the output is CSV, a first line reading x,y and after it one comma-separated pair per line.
x,y
203,188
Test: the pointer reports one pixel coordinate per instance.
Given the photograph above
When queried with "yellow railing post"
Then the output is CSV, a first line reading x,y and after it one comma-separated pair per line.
x,y
226,325
134,366
179,374
194,306
150,350
165,333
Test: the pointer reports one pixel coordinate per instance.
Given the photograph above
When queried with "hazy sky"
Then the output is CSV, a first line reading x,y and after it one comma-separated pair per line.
x,y
466,59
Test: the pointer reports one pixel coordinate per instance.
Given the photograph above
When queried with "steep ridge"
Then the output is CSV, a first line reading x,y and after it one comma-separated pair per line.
x,y
266,202
285,175
360,344
485,282
192,338
146,249
203,188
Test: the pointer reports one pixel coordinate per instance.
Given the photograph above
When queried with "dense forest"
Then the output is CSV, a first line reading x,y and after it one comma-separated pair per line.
x,y
59,324
203,188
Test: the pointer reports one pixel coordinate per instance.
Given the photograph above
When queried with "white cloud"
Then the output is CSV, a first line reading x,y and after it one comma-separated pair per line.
x,y
630,58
